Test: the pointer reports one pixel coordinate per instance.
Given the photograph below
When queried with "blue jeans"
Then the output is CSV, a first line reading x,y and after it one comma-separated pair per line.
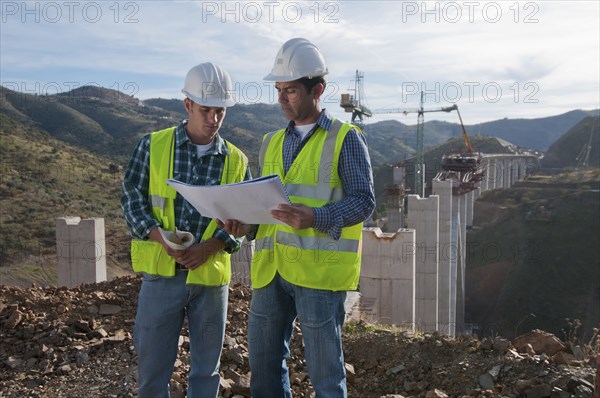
x,y
272,313
163,304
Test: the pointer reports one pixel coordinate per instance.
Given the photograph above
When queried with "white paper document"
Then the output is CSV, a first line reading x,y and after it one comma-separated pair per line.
x,y
249,202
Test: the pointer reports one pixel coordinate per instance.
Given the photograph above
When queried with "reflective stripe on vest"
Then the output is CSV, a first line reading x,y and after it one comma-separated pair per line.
x,y
157,201
149,256
308,257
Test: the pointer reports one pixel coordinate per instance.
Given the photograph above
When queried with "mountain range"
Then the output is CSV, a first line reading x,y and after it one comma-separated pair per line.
x,y
108,122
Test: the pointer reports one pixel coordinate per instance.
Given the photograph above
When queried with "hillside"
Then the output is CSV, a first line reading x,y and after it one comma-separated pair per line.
x,y
536,134
99,120
533,250
43,178
566,151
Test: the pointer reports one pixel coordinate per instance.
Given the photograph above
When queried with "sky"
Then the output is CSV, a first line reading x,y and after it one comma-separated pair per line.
x,y
494,59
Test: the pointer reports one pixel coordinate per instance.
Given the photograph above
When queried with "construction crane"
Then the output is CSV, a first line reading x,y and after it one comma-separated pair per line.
x,y
462,162
467,162
419,161
464,169
464,132
356,104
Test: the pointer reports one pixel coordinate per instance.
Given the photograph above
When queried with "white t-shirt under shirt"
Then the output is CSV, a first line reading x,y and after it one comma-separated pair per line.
x,y
304,129
202,149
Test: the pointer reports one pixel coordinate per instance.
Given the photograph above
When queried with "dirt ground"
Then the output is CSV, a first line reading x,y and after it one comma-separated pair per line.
x,y
56,342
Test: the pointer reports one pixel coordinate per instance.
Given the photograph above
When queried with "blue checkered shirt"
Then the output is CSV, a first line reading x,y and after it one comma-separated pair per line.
x,y
354,169
188,167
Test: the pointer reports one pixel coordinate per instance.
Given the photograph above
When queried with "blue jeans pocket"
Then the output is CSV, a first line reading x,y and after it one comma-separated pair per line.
x,y
149,278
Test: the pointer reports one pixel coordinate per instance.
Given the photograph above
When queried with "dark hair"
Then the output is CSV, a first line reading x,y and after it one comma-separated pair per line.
x,y
309,83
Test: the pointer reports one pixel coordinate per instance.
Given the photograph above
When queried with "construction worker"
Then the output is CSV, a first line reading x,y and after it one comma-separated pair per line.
x,y
302,269
192,280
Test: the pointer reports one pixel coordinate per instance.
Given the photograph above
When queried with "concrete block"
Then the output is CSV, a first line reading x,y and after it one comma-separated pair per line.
x,y
387,280
80,251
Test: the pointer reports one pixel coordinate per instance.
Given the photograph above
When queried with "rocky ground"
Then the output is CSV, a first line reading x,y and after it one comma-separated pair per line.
x,y
56,342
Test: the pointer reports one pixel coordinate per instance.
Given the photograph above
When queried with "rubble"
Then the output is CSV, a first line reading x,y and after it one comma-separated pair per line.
x,y
540,341
58,342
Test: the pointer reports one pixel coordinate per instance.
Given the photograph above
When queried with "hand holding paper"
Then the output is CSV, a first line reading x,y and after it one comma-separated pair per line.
x,y
235,228
249,202
297,215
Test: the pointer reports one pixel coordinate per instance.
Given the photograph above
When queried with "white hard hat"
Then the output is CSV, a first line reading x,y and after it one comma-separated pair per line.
x,y
209,85
296,59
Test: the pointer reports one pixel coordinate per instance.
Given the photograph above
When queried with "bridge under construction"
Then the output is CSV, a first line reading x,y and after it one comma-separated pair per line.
x,y
413,275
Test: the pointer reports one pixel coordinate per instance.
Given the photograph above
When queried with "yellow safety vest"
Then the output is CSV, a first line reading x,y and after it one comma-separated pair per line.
x,y
307,257
149,256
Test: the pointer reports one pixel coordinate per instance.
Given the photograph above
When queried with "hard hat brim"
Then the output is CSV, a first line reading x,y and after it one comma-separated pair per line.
x,y
274,78
213,102
284,79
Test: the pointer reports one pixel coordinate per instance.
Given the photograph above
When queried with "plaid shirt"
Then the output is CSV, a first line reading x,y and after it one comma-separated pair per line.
x,y
354,169
188,167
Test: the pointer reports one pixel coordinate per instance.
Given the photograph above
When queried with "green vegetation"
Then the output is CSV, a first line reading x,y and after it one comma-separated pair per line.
x,y
546,234
101,122
352,328
43,179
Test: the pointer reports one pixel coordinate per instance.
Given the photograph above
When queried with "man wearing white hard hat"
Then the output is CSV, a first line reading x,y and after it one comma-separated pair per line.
x,y
184,257
302,269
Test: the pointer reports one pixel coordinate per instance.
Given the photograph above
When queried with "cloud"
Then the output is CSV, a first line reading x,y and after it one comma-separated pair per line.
x,y
403,47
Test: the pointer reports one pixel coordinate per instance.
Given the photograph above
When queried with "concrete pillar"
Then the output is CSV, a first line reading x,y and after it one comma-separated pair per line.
x,y
497,174
520,168
505,173
80,251
443,189
461,263
497,180
453,254
515,171
484,184
395,219
395,200
470,198
240,263
387,278
423,216
477,193
492,175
